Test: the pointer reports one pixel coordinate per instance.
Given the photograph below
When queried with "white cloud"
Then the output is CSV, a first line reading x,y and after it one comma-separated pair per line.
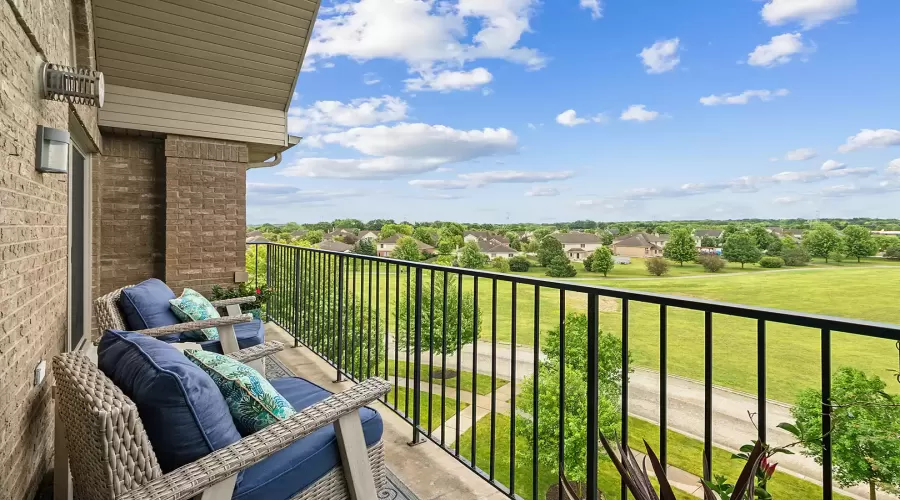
x,y
542,191
832,165
446,81
402,149
809,13
481,179
280,194
846,190
570,119
774,158
325,116
371,79
801,154
869,138
594,6
742,98
893,167
532,126
662,56
787,200
745,184
424,33
779,50
639,113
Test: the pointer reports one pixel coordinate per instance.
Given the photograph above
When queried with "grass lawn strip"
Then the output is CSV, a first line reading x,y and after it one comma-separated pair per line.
x,y
449,406
484,381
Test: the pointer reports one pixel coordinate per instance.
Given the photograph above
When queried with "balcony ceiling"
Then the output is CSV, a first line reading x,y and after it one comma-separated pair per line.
x,y
239,51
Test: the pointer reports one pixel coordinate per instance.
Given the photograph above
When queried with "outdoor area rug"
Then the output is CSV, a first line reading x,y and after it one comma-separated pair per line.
x,y
394,489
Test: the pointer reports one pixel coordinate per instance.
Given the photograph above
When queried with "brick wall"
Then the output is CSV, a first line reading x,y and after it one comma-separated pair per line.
x,y
33,240
205,212
129,184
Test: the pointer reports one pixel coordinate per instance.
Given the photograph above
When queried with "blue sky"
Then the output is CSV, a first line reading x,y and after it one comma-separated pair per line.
x,y
520,110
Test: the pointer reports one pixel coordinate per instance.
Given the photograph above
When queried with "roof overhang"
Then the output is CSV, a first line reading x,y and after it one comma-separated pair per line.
x,y
241,53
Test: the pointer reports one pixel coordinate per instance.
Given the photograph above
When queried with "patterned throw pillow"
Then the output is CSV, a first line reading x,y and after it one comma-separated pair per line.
x,y
192,306
252,400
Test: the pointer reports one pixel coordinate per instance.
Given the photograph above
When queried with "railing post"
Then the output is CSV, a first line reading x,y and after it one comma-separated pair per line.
x,y
417,361
268,267
593,424
340,317
296,331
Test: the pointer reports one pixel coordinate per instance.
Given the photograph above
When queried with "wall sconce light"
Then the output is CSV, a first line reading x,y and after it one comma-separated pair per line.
x,y
72,84
52,155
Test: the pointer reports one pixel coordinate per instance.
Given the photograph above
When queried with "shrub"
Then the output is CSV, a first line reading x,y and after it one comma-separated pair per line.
x,y
712,263
835,257
795,257
443,260
771,262
560,267
588,262
500,264
892,252
519,264
657,266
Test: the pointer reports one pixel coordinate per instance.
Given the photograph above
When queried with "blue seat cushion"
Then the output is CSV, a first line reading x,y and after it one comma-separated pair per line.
x,y
182,409
146,305
249,334
296,467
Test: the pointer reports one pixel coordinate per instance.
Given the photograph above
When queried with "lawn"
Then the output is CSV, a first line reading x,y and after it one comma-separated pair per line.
x,y
849,290
449,405
484,381
608,477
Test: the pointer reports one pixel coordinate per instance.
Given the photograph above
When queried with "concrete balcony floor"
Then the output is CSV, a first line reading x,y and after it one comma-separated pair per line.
x,y
429,472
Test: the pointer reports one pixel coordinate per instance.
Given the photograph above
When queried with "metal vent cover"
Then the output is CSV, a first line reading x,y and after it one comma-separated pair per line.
x,y
72,84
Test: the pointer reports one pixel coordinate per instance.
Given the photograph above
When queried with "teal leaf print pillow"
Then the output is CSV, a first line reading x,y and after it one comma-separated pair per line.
x,y
252,400
192,306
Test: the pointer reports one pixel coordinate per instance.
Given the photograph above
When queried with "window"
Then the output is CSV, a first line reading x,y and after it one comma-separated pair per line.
x,y
582,245
382,245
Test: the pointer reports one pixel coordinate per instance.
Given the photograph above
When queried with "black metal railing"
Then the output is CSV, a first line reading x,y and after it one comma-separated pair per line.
x,y
366,316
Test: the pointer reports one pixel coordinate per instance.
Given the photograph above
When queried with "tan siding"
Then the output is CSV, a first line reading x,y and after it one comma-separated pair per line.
x,y
138,109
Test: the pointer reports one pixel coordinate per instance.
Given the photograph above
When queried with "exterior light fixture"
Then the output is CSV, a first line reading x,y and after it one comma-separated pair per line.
x,y
75,85
52,155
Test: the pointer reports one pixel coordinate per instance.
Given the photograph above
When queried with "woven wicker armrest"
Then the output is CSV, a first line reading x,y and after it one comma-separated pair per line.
x,y
196,325
238,300
192,479
257,351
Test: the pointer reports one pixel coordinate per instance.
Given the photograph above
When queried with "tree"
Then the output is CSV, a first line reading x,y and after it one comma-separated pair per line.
x,y
609,392
519,264
365,247
549,249
775,247
741,247
441,324
603,261
822,240
606,238
445,246
761,236
350,239
865,426
500,264
795,257
314,236
681,246
657,266
588,262
407,249
709,242
471,257
858,242
788,243
560,267
731,228
892,253
426,234
389,230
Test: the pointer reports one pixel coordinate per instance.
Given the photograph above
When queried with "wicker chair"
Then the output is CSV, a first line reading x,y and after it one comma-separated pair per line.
x,y
111,456
109,317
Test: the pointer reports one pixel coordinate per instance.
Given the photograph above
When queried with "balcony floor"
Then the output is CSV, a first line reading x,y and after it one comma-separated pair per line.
x,y
426,470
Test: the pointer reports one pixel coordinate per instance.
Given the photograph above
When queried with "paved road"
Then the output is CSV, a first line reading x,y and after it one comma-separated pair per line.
x,y
732,426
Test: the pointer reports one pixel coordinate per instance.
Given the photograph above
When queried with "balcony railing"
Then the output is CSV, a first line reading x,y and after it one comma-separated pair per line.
x,y
372,316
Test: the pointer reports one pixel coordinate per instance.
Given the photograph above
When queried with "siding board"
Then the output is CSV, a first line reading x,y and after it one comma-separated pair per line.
x,y
137,109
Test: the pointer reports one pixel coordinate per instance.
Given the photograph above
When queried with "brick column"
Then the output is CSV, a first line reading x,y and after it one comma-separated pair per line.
x,y
205,212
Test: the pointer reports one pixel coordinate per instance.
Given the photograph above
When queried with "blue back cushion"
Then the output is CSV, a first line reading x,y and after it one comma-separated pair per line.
x,y
146,305
180,406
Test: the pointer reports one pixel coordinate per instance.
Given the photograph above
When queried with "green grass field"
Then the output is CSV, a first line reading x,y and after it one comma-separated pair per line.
x,y
435,422
483,386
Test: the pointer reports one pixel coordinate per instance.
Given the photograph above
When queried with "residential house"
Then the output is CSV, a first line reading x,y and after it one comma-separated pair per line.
x,y
369,235
257,239
337,234
387,245
578,245
494,249
251,234
638,245
885,232
299,233
148,176
699,234
476,236
335,246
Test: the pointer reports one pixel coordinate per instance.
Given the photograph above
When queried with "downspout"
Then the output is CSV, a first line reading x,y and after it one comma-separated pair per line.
x,y
265,164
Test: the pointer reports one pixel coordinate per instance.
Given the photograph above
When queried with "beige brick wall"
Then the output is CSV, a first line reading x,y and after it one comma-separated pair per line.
x,y
33,240
205,212
129,213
